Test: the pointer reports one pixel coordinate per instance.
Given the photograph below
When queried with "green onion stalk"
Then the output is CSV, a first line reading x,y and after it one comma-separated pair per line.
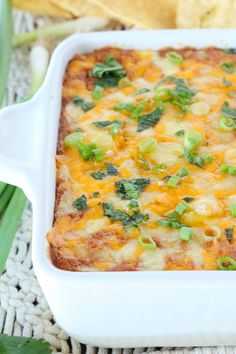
x,y
13,199
60,30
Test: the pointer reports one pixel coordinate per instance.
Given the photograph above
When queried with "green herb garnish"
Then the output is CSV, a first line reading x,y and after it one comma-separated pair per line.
x,y
95,194
227,111
131,188
90,151
180,132
109,73
141,91
227,67
229,50
81,203
226,263
226,82
146,121
174,58
86,106
229,234
127,220
98,175
111,169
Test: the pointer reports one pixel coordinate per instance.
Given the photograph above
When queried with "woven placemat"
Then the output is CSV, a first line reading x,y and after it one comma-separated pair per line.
x,y
23,308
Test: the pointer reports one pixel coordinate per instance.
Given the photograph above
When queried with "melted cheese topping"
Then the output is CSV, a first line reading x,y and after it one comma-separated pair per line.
x,y
95,241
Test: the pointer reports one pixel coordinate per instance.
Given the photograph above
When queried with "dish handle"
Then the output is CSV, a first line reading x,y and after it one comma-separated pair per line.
x,y
18,153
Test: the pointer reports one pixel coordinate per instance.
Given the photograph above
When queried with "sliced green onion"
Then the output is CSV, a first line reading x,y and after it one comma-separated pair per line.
x,y
73,139
6,196
181,207
186,233
182,172
162,94
173,181
232,209
98,154
124,82
229,169
5,45
147,242
162,167
174,57
211,233
10,223
226,263
192,139
116,127
97,92
86,150
227,123
147,145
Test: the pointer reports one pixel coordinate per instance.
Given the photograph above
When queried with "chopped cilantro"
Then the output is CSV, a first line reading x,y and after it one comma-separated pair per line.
x,y
229,50
111,169
95,194
227,111
133,204
229,234
98,175
131,188
182,95
115,125
180,132
109,73
81,203
146,121
103,123
188,199
86,106
227,67
127,220
226,82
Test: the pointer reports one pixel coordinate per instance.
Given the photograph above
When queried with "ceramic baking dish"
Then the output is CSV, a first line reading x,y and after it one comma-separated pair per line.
x,y
111,309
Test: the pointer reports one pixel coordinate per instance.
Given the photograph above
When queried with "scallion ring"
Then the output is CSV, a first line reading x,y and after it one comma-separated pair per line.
x,y
226,263
147,242
211,233
227,124
192,139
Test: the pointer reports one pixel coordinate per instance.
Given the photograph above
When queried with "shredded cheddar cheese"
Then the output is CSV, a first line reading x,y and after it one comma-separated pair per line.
x,y
121,199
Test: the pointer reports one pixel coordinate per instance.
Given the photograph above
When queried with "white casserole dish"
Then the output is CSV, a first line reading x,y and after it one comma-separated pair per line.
x,y
111,309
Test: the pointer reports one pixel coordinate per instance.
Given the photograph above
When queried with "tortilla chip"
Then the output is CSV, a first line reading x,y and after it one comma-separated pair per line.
x,y
79,7
42,7
206,14
141,13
